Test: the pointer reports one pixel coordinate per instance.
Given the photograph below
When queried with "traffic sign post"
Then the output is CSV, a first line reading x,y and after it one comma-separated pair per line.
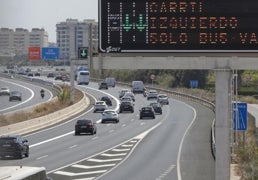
x,y
82,53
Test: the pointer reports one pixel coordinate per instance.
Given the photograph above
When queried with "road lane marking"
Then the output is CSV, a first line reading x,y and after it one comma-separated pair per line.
x,y
52,139
179,176
163,175
73,146
79,174
127,145
92,167
113,155
104,160
42,157
120,150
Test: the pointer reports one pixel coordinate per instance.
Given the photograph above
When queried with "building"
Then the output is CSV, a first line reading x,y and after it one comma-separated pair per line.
x,y
18,41
73,34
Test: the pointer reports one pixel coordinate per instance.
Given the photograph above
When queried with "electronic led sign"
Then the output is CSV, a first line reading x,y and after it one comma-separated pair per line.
x,y
178,26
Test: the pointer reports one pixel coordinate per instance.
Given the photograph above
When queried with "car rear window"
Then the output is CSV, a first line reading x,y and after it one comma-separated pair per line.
x,y
7,140
81,122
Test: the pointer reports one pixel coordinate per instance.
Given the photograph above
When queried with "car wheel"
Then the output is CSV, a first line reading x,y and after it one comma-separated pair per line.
x,y
153,117
27,153
102,121
117,121
140,117
76,133
92,132
20,155
132,111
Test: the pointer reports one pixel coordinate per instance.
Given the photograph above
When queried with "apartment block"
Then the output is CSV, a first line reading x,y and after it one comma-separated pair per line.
x,y
73,34
19,40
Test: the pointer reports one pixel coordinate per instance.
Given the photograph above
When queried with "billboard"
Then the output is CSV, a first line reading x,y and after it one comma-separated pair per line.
x,y
178,26
34,53
50,53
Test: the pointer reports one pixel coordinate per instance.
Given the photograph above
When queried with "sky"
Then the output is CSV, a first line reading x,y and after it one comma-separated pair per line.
x,y
45,14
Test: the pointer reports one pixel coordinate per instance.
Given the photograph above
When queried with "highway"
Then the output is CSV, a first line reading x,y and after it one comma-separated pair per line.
x,y
175,145
30,95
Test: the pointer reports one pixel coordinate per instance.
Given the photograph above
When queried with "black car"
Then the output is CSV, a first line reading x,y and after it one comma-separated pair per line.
x,y
85,126
157,107
15,95
107,99
37,74
58,77
103,85
50,75
147,112
13,146
126,106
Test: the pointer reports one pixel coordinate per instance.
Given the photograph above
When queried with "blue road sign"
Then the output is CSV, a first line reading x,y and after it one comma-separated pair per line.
x,y
50,53
193,83
239,116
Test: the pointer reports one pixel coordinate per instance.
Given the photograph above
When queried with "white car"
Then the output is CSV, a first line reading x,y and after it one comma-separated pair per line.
x,y
122,92
110,115
127,99
163,99
152,94
4,91
129,94
100,106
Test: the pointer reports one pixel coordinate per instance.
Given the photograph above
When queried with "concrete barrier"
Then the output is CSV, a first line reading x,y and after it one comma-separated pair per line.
x,y
47,120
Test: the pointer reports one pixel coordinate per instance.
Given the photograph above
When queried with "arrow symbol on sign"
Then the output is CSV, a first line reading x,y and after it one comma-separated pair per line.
x,y
83,53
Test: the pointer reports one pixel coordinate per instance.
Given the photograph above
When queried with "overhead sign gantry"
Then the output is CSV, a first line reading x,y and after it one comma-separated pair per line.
x,y
178,26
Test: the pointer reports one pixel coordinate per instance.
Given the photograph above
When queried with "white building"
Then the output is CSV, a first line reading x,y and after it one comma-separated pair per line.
x,y
20,40
73,34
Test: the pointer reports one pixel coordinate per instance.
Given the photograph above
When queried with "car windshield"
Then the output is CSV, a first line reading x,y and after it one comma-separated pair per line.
x,y
80,122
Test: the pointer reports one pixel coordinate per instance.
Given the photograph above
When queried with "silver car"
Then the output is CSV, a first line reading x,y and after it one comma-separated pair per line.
x,y
162,99
100,106
110,115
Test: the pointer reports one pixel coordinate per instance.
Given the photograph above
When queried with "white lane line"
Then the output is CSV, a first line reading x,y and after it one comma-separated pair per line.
x,y
95,138
120,150
92,167
73,146
78,174
52,139
127,145
170,168
104,160
42,157
179,176
133,141
90,178
113,155
123,125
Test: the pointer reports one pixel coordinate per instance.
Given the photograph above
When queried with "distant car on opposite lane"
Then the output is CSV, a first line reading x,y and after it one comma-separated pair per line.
x,y
4,91
15,95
